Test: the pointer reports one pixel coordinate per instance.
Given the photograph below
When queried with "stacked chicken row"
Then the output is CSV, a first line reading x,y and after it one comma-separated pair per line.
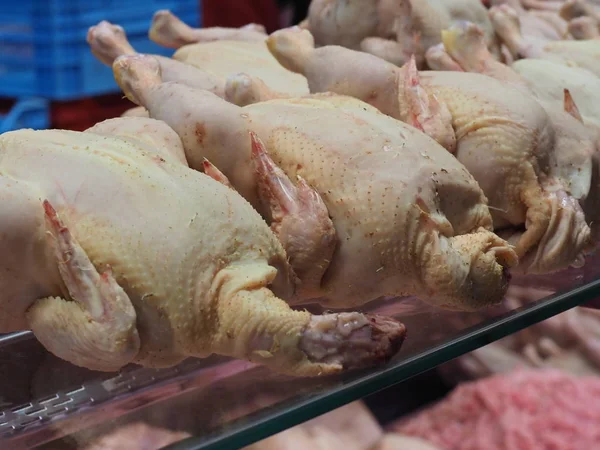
x,y
315,165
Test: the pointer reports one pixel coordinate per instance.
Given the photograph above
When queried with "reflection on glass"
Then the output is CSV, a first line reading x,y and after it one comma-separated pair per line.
x,y
218,403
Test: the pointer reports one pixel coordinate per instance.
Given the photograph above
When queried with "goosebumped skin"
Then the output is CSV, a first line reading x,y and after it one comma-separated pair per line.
x,y
502,135
134,257
391,192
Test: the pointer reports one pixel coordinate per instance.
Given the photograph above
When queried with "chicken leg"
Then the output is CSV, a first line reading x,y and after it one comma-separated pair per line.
x,y
108,41
170,31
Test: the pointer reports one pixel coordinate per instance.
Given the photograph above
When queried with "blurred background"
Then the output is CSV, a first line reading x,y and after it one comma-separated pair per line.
x,y
50,79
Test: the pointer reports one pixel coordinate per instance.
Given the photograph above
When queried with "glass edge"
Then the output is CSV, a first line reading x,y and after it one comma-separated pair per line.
x,y
405,369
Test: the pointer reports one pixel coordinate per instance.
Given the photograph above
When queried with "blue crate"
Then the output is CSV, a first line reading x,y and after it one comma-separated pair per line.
x,y
43,48
26,113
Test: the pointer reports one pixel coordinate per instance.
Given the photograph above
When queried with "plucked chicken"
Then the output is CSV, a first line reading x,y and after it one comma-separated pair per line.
x,y
503,137
537,24
406,217
208,65
134,257
584,54
575,140
391,29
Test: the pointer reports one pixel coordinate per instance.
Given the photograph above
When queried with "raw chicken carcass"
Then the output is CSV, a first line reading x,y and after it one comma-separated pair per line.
x,y
208,65
170,31
575,140
392,192
391,29
503,137
584,54
542,25
115,252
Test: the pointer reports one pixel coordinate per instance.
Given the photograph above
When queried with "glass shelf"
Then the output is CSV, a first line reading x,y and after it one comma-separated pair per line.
x,y
224,404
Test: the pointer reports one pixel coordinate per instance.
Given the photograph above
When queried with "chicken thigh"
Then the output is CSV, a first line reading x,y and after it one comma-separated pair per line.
x,y
584,54
503,137
208,65
409,218
134,257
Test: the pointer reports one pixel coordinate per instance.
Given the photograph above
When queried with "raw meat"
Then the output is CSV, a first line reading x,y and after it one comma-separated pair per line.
x,y
391,29
391,192
526,410
576,148
503,136
585,54
114,251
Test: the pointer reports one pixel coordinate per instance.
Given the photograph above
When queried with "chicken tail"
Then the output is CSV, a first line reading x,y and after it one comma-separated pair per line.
x,y
136,75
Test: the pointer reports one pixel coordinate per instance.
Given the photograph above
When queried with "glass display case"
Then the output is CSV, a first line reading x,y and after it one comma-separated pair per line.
x,y
217,403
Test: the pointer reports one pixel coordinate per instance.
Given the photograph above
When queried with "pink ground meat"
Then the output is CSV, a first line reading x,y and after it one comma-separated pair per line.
x,y
523,410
